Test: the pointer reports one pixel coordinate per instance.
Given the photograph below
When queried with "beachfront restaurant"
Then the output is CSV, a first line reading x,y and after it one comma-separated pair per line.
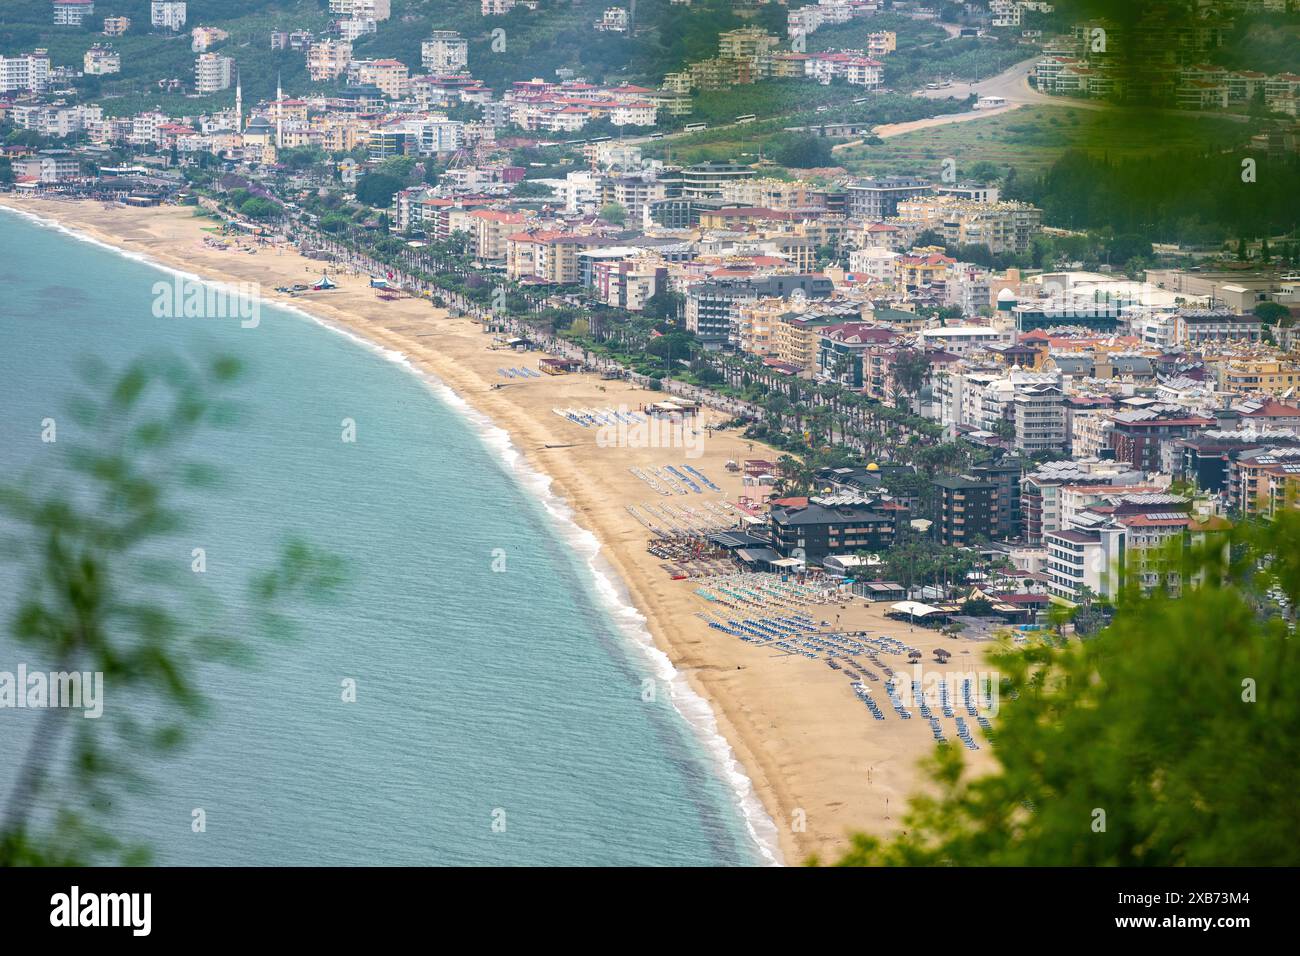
x,y
757,559
673,409
915,611
558,366
879,590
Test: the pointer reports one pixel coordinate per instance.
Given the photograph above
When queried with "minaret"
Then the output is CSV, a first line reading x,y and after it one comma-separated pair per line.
x,y
279,113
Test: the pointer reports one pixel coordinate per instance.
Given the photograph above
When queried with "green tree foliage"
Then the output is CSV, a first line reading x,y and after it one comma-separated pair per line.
x,y
1173,197
377,189
100,595
1170,739
803,152
613,212
1272,313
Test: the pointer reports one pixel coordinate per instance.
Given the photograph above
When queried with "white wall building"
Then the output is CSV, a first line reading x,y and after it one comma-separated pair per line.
x,y
29,71
446,51
213,73
167,15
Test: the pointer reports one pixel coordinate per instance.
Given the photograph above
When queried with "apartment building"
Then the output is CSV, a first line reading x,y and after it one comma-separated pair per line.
x,y
49,166
873,200
749,43
1138,436
328,59
361,9
391,77
1039,417
1200,327
1259,480
446,51
634,193
72,13
960,339
549,256
1075,563
489,229
817,528
1004,227
707,180
1043,489
968,510
167,15
116,26
720,73
1270,376
842,348
772,194
101,61
28,71
213,73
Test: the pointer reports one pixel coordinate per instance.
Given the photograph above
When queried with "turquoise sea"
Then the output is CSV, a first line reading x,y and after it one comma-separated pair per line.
x,y
477,692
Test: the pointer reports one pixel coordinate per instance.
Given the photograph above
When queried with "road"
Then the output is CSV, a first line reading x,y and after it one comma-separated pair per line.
x,y
1011,84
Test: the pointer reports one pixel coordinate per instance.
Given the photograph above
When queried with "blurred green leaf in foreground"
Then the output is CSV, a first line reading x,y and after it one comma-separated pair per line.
x,y
1170,739
95,544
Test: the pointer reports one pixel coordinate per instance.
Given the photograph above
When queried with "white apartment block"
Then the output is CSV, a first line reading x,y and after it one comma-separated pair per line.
x,y
213,73
57,121
361,9
614,20
72,13
1039,416
437,134
446,51
49,166
30,71
496,8
350,30
167,15
144,128
961,339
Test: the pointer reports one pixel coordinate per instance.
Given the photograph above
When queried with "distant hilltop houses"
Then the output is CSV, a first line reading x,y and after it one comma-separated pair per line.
x,y
204,38
614,20
499,8
1157,60
806,20
750,54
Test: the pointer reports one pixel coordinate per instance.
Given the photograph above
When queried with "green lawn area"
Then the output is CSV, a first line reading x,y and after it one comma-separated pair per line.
x,y
1033,137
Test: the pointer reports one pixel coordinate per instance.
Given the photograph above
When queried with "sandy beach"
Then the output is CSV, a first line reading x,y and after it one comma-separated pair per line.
x,y
820,764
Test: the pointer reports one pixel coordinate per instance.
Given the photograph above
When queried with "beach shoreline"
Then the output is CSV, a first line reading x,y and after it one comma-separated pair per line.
x,y
816,763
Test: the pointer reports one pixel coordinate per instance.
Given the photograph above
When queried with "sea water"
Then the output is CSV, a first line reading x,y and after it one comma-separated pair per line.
x,y
500,712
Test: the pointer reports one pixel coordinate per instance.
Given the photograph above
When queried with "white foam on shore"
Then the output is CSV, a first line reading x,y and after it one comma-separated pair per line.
x,y
693,708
